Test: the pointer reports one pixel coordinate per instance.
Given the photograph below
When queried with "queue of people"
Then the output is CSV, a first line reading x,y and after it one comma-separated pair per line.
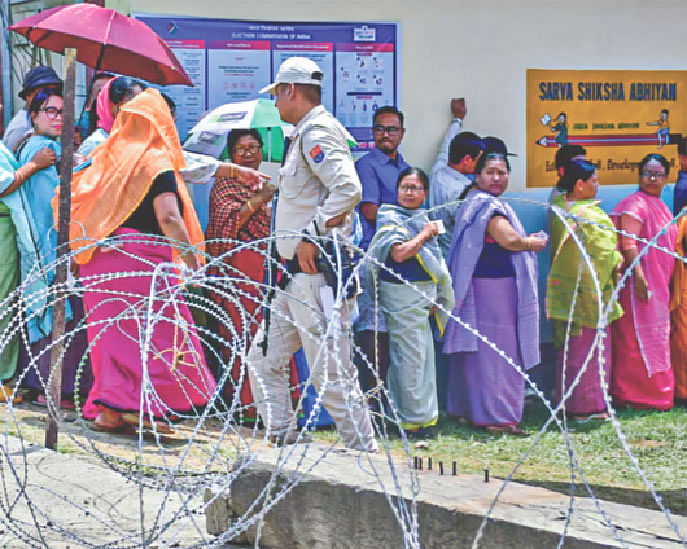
x,y
622,343
447,314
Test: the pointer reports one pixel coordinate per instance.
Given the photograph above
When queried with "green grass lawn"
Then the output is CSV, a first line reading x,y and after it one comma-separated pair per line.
x,y
657,439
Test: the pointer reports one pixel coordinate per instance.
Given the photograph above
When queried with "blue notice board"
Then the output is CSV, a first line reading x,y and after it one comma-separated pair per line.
x,y
231,60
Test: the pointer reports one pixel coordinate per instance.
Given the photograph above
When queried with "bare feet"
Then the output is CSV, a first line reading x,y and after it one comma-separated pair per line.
x,y
507,429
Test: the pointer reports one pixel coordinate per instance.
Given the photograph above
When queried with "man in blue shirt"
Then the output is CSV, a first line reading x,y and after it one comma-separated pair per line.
x,y
378,171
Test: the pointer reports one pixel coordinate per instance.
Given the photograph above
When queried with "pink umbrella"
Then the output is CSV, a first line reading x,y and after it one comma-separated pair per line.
x,y
102,39
105,40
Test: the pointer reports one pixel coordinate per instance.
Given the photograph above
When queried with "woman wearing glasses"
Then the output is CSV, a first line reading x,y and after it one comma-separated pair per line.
x,y
411,282
494,272
239,212
642,376
32,215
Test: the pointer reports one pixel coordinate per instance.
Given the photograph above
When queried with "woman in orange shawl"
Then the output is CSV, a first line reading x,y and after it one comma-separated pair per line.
x,y
133,193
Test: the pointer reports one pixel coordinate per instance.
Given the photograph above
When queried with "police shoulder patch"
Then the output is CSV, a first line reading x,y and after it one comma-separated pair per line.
x,y
317,154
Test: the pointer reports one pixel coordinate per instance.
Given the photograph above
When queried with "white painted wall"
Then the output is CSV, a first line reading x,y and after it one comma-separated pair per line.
x,y
480,50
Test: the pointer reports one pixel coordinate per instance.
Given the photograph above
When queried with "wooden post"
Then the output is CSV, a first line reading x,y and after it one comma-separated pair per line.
x,y
66,165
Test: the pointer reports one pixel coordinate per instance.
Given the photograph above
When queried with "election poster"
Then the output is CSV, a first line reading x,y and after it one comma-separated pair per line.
x,y
231,60
617,116
190,101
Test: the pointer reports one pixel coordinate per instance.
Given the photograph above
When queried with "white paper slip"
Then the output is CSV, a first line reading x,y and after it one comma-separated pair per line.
x,y
440,226
327,300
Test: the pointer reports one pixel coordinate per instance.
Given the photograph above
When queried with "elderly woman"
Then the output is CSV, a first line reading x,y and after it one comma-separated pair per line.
x,y
494,272
239,212
642,375
134,193
413,280
11,178
32,216
577,332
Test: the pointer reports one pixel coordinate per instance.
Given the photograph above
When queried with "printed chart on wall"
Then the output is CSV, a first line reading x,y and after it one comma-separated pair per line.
x,y
617,116
230,60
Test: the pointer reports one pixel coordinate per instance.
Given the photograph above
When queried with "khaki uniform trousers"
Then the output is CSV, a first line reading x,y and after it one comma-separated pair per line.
x,y
296,320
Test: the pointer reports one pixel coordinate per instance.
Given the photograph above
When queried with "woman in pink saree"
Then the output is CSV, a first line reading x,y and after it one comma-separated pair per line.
x,y
642,375
134,193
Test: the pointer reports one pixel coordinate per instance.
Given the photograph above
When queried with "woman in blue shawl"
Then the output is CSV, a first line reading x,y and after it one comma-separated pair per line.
x,y
11,177
31,211
412,282
494,273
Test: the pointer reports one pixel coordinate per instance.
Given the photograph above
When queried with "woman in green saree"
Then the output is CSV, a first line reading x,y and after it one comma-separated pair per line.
x,y
574,303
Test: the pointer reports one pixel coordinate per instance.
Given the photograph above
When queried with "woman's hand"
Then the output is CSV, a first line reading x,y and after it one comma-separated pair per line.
x,y
405,250
641,286
430,230
264,195
189,257
44,158
535,243
253,178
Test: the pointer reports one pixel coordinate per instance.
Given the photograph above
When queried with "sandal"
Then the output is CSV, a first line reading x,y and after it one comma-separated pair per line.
x,y
108,421
597,416
6,394
131,418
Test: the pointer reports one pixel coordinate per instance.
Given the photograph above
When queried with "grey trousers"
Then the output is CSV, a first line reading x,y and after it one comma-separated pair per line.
x,y
296,320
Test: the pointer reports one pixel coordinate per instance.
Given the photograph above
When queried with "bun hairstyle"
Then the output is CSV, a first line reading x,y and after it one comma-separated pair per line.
x,y
572,171
41,97
120,90
494,149
658,158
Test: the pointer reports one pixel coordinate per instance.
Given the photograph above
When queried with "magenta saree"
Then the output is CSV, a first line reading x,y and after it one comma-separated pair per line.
x,y
117,309
642,375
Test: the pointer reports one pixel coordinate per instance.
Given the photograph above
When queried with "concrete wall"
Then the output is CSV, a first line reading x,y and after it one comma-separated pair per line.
x,y
480,50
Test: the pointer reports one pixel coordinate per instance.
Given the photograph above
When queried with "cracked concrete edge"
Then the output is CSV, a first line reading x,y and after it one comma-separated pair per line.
x,y
336,499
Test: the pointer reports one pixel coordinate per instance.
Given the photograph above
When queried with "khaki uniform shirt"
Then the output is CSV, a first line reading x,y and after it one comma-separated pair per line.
x,y
317,182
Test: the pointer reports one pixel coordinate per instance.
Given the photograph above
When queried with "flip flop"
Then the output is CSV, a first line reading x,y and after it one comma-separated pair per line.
x,y
107,427
597,416
161,427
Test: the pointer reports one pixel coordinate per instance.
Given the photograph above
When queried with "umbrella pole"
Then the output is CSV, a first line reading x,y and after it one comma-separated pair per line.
x,y
66,165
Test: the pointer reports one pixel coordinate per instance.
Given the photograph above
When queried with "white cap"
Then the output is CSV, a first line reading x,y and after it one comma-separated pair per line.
x,y
296,70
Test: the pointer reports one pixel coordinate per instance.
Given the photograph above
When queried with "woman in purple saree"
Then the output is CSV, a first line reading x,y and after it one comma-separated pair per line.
x,y
494,273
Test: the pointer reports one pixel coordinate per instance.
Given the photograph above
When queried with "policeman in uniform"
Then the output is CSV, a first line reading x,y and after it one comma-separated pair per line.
x,y
318,191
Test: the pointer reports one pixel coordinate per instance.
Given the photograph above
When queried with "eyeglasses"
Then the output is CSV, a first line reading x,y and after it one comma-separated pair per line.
x,y
410,189
391,130
653,175
243,151
51,112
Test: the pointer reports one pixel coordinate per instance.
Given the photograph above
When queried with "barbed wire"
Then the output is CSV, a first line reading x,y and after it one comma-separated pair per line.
x,y
213,446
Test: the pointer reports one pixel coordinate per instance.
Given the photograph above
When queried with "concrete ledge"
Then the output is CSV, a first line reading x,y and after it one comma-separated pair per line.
x,y
338,504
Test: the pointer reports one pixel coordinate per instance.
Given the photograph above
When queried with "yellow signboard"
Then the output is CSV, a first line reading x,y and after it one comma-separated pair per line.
x,y
617,116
